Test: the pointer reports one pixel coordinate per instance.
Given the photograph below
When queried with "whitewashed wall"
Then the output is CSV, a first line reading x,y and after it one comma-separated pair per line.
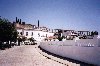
x,y
29,33
79,50
37,35
19,30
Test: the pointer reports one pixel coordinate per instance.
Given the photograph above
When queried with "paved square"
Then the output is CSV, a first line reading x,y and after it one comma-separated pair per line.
x,y
25,55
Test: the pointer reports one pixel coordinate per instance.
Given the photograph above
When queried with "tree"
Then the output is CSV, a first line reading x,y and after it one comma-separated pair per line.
x,y
60,38
96,33
23,38
19,40
31,39
7,31
92,33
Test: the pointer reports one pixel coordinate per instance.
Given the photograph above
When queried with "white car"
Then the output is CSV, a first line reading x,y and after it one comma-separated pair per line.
x,y
27,42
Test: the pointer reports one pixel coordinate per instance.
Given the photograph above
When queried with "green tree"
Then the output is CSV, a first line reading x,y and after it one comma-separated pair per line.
x,y
92,33
7,31
60,38
96,33
31,39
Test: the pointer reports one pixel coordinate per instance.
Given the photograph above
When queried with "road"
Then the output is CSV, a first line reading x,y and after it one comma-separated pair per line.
x,y
25,55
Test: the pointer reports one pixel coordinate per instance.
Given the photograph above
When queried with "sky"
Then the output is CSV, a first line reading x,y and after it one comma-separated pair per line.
x,y
54,14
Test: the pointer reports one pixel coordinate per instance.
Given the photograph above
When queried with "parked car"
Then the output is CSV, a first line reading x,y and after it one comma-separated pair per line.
x,y
26,42
13,43
33,43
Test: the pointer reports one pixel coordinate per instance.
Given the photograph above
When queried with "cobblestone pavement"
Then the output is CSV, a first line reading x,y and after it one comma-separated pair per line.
x,y
25,55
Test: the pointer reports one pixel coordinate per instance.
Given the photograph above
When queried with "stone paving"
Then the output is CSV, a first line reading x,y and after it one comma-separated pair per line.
x,y
25,55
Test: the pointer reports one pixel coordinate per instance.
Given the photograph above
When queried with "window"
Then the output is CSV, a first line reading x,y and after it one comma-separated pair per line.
x,y
32,34
46,35
26,33
38,34
20,33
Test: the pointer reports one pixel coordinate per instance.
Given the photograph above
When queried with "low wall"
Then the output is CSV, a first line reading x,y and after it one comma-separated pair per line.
x,y
84,50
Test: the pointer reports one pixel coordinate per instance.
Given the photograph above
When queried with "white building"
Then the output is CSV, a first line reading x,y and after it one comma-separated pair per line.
x,y
37,34
31,31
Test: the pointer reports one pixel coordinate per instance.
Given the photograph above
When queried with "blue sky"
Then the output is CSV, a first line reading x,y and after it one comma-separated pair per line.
x,y
64,14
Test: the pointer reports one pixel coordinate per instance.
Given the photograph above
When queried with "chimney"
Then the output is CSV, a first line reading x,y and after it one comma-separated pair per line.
x,y
20,21
38,23
16,19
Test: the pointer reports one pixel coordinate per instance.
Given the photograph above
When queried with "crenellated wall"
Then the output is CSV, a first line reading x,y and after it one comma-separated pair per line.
x,y
85,50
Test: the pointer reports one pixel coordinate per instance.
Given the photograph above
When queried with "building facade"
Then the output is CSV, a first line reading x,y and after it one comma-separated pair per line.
x,y
32,31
